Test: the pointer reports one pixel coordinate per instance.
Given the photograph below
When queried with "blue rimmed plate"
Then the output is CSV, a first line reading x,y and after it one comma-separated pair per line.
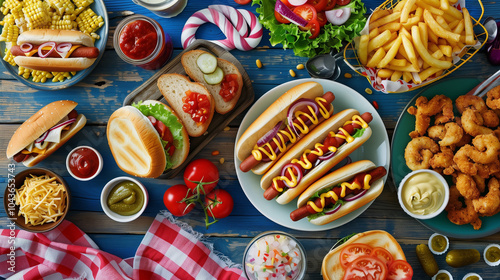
x,y
99,8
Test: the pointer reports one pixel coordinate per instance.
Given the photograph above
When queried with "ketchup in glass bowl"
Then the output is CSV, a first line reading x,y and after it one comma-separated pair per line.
x,y
84,163
141,41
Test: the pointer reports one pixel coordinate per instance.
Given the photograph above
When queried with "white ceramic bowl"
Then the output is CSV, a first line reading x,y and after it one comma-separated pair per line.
x,y
472,274
446,194
99,168
429,243
115,216
442,271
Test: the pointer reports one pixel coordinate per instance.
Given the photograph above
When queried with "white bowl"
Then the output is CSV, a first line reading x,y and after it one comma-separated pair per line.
x,y
446,194
430,244
472,274
99,168
115,216
442,271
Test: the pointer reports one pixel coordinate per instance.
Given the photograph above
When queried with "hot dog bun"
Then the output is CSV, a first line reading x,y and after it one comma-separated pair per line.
x,y
331,268
136,145
336,177
188,61
276,112
41,122
316,136
174,88
40,36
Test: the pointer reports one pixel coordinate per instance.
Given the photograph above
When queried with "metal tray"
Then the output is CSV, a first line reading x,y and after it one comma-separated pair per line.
x,y
149,91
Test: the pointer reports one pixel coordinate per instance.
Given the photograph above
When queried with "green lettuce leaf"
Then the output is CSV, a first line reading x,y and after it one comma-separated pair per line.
x,y
330,37
160,113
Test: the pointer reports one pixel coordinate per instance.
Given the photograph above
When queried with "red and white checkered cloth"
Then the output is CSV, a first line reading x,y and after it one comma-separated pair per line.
x,y
166,252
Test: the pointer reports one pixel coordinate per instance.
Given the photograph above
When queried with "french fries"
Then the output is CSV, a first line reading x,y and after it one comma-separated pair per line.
x,y
414,41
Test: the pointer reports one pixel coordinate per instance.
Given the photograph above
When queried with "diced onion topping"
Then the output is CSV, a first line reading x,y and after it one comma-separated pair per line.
x,y
26,47
47,44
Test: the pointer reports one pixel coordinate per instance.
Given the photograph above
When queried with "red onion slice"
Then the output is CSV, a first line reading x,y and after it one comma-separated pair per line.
x,y
26,47
63,48
50,44
297,168
354,197
269,135
283,10
327,156
298,104
44,136
297,2
333,210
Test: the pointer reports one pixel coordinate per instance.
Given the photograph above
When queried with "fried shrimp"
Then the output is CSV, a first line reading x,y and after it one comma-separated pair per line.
x,y
460,215
419,152
449,134
467,187
472,123
440,106
493,98
482,158
486,148
489,204
464,102
443,161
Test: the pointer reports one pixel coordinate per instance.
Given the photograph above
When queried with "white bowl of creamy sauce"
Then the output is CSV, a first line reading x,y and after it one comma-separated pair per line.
x,y
423,194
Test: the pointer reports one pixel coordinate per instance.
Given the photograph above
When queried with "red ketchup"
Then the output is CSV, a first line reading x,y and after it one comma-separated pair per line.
x,y
140,41
83,163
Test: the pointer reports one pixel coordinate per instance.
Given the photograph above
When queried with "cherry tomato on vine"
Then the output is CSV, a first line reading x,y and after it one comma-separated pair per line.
x,y
306,12
174,200
201,176
219,204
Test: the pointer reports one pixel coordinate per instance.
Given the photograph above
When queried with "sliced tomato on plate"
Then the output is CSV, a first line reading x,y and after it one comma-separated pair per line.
x,y
400,270
321,17
330,4
312,26
383,255
280,18
343,2
306,11
366,268
319,5
352,252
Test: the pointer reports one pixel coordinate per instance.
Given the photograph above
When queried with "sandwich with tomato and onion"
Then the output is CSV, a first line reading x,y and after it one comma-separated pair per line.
x,y
374,255
147,138
45,132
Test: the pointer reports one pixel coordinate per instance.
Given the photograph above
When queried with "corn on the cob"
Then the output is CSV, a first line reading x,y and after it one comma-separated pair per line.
x,y
88,21
25,72
62,6
60,76
37,15
9,57
41,76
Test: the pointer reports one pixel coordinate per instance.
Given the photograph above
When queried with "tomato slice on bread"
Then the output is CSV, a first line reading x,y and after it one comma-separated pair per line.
x,y
400,270
383,255
353,251
366,268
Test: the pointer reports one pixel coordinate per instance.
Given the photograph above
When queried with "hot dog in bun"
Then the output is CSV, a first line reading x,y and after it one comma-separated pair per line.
x,y
340,192
368,255
281,125
316,154
44,132
54,50
147,138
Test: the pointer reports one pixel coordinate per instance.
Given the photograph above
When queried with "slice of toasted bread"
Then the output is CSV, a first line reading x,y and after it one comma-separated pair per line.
x,y
331,268
174,88
188,61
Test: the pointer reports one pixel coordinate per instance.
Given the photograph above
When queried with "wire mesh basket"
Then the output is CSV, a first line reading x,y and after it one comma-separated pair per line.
x,y
352,60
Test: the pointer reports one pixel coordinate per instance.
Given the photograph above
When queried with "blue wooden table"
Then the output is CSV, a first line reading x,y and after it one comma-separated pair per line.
x,y
104,90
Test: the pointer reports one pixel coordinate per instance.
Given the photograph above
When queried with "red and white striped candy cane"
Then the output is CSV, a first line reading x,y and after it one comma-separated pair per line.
x,y
218,15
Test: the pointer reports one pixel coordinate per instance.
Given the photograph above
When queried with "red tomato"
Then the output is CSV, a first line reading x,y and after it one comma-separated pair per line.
x,y
173,200
400,270
322,20
343,2
306,12
242,2
229,87
366,268
287,4
330,5
312,26
319,5
219,204
280,18
197,105
352,252
383,255
201,176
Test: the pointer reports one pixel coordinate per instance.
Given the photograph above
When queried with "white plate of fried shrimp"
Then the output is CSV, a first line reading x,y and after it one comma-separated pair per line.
x,y
94,10
456,137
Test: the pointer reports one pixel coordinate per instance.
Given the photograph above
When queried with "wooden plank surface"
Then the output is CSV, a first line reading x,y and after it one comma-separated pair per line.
x,y
104,90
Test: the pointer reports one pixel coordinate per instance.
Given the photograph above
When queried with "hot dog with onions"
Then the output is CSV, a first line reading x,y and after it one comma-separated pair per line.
x,y
282,124
315,154
340,192
44,132
54,50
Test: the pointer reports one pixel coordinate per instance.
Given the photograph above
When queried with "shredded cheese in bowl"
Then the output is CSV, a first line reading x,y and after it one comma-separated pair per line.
x,y
41,199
